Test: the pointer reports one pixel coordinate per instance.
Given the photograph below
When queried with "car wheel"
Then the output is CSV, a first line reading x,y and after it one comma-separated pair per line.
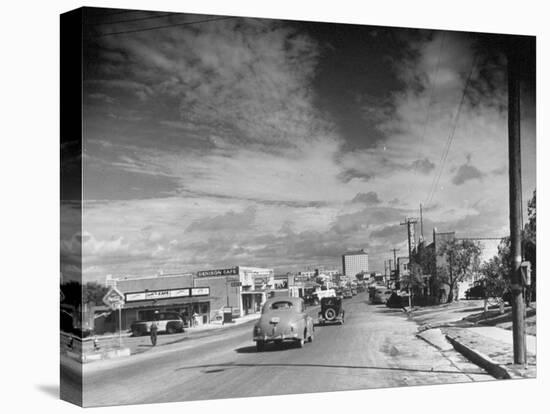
x,y
302,340
259,346
330,314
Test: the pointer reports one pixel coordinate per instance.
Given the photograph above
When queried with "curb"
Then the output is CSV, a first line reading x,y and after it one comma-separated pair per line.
x,y
109,354
496,370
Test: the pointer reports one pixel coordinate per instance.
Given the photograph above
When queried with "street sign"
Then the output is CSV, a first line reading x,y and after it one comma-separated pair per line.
x,y
236,284
114,299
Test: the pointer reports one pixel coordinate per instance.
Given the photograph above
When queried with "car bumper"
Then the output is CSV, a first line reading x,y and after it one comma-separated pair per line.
x,y
281,337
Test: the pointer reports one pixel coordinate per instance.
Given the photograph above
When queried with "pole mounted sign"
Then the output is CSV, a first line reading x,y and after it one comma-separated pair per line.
x,y
114,299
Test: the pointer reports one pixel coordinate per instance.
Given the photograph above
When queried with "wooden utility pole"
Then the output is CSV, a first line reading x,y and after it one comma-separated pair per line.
x,y
514,158
410,222
421,224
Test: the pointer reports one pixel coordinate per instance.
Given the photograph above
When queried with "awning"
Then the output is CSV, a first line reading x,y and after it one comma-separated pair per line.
x,y
167,302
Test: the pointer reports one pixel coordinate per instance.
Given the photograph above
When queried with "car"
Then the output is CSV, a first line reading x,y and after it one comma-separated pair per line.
x,y
283,319
346,293
331,310
381,295
475,292
398,300
354,291
168,322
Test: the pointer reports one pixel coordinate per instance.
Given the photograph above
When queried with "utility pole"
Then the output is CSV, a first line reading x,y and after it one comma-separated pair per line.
x,y
514,159
410,222
396,268
421,224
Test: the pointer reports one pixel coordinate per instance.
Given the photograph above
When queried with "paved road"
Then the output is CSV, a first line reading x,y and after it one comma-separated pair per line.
x,y
375,348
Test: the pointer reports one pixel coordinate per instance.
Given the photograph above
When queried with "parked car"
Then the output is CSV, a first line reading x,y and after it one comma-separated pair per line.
x,y
168,322
398,300
331,310
381,295
283,319
475,292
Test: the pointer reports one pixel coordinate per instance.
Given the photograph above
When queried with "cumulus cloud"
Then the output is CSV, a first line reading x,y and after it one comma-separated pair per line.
x,y
226,116
466,172
228,221
367,198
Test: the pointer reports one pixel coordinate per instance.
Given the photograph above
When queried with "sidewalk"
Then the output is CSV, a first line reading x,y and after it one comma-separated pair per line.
x,y
109,344
483,338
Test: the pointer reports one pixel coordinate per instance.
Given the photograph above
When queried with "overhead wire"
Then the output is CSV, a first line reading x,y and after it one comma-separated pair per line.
x,y
166,26
452,133
137,19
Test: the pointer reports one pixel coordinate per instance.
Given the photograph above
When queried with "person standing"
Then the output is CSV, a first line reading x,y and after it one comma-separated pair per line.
x,y
154,329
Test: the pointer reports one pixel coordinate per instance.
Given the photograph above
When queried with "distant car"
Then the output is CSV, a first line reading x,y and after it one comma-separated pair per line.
x,y
475,292
331,310
397,300
381,295
507,297
168,322
346,293
283,319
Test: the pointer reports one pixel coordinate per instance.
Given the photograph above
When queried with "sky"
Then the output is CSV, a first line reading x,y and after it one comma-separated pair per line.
x,y
211,142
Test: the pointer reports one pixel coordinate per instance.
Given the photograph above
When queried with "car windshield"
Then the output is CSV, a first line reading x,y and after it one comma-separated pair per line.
x,y
281,305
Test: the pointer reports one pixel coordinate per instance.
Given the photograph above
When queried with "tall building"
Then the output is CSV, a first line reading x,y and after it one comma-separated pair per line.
x,y
355,262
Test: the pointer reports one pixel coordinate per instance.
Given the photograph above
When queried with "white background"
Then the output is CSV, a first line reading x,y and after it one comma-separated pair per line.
x,y
30,208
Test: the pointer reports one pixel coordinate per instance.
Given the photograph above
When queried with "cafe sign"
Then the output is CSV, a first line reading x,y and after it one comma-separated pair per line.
x,y
219,272
157,294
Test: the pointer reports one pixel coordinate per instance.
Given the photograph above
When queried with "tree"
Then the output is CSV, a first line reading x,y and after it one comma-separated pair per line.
x,y
530,244
93,292
462,259
76,294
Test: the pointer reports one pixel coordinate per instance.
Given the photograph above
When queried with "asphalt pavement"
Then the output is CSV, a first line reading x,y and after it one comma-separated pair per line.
x,y
376,347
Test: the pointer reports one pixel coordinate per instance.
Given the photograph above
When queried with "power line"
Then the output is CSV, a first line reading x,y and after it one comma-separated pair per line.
x,y
428,111
167,26
453,130
133,20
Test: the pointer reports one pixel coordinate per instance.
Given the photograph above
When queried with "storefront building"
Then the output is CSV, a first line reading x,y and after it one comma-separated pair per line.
x,y
246,288
168,293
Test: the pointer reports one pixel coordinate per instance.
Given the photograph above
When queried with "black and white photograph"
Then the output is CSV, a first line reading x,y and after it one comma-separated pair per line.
x,y
258,207
274,206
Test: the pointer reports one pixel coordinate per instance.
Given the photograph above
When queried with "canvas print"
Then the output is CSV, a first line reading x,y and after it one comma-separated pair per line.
x,y
259,207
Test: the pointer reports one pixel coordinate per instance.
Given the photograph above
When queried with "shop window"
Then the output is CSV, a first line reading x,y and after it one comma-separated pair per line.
x,y
203,308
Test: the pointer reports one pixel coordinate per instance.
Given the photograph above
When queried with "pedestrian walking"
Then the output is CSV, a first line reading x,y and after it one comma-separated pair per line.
x,y
154,329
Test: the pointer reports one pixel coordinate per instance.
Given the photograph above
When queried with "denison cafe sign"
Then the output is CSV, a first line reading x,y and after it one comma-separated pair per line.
x,y
166,294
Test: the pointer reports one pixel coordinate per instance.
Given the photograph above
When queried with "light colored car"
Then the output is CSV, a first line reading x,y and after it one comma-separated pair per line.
x,y
169,322
283,319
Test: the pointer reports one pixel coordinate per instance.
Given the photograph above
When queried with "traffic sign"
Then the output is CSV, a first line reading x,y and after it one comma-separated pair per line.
x,y
114,299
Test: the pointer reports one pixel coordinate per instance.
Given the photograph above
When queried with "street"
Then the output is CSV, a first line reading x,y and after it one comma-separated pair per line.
x,y
376,348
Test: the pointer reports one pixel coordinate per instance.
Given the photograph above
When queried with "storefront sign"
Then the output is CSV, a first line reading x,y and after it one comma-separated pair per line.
x,y
157,294
204,291
219,272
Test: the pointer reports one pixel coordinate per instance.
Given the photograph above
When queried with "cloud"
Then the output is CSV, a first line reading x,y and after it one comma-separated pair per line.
x,y
425,166
228,221
466,172
368,198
